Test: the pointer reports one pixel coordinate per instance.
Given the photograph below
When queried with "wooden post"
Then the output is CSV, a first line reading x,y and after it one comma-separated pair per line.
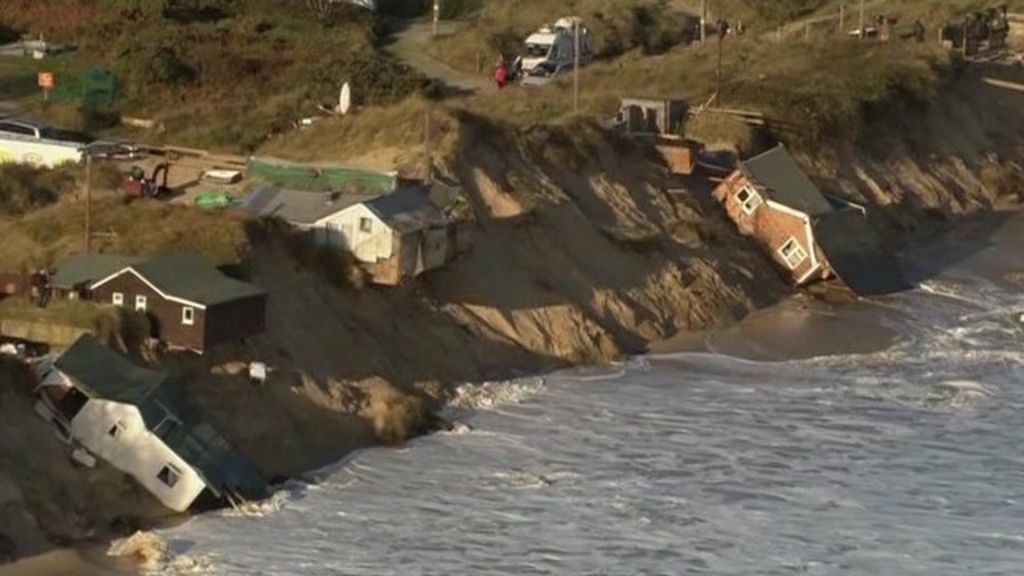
x,y
718,75
88,203
428,153
862,34
703,21
437,15
807,31
842,20
576,68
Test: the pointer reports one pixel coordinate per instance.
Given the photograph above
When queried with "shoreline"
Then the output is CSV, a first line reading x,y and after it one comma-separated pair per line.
x,y
797,327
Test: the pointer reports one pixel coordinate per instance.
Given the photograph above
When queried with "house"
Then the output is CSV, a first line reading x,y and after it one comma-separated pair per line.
x,y
809,235
395,236
132,418
75,275
191,304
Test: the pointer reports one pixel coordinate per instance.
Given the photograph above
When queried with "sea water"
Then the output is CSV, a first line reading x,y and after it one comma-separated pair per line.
x,y
905,461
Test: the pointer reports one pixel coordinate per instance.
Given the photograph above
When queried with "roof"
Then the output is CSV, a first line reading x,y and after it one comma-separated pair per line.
x,y
188,276
407,209
82,269
856,254
298,206
102,373
776,174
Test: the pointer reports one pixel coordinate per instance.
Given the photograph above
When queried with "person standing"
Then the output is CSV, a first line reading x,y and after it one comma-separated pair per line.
x,y
501,73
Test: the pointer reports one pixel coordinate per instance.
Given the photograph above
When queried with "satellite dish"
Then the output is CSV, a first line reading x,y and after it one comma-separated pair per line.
x,y
345,99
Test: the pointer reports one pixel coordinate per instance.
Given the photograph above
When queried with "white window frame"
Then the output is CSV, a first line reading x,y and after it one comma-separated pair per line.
x,y
141,303
792,258
117,299
188,316
753,201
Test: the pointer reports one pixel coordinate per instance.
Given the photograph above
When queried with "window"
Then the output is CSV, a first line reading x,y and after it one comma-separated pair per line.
x,y
117,299
13,128
365,225
116,430
140,303
748,199
188,316
169,475
792,253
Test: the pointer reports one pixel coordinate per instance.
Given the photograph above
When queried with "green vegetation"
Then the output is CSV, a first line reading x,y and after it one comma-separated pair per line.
x,y
24,188
219,73
618,26
46,236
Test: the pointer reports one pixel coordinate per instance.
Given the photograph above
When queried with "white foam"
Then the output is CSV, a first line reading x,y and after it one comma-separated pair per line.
x,y
490,395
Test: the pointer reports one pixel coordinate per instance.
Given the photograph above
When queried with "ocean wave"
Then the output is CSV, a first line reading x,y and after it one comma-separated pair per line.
x,y
490,395
153,555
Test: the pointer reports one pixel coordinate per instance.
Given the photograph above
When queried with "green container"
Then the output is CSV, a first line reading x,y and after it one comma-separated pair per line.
x,y
214,200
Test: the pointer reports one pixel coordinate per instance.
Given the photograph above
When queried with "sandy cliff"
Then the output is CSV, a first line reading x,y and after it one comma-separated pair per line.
x,y
586,249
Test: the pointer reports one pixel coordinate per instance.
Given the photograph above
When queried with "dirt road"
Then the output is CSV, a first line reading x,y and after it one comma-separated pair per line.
x,y
410,47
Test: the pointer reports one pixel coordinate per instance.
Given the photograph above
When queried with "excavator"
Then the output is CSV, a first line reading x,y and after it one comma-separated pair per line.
x,y
138,185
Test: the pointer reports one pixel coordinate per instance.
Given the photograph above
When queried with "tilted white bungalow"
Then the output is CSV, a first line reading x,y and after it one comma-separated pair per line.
x,y
394,236
128,416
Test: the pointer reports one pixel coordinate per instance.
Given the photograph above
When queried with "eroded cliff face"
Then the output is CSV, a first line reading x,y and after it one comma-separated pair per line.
x,y
585,250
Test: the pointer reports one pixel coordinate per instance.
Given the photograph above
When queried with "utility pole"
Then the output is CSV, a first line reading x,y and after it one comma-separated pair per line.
x,y
842,20
88,203
428,152
703,21
718,75
576,68
863,33
437,15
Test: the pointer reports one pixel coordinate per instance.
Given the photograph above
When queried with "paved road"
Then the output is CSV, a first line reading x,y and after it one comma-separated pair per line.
x,y
410,47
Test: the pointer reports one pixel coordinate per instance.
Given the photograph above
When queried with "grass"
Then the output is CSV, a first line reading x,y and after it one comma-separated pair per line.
x,y
46,236
223,78
617,26
84,315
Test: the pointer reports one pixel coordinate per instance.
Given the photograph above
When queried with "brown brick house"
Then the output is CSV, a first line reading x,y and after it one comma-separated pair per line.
x,y
191,304
809,235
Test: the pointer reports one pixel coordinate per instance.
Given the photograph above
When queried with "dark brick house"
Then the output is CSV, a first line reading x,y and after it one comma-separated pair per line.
x,y
809,235
191,304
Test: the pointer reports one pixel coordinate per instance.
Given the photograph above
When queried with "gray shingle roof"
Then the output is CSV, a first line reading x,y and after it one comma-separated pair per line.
x,y
297,206
81,269
777,175
407,209
189,276
102,373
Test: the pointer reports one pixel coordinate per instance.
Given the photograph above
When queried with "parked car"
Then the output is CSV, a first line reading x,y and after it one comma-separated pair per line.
x,y
545,72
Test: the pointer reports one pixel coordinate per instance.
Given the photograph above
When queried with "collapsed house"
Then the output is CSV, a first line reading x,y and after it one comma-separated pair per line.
x,y
394,237
809,235
190,303
660,121
133,419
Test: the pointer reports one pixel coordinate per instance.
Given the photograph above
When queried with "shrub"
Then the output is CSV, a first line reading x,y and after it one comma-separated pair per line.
x,y
24,188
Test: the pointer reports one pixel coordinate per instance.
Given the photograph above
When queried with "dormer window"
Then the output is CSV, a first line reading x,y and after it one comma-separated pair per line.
x,y
748,199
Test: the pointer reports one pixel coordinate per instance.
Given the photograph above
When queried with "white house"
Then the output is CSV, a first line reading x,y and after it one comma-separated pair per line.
x,y
127,416
394,236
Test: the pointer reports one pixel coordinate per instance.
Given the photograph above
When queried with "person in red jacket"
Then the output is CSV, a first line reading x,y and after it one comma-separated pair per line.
x,y
501,73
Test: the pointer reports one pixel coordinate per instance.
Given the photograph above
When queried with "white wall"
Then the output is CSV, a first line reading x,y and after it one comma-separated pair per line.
x,y
135,451
342,230
38,153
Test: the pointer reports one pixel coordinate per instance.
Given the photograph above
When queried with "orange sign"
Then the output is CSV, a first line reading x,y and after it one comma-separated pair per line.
x,y
46,80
